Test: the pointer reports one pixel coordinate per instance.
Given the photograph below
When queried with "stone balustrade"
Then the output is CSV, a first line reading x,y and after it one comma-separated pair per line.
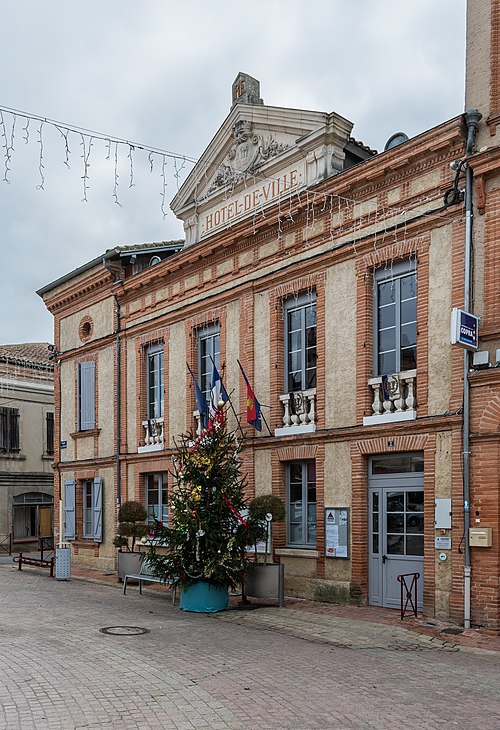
x,y
394,397
299,412
153,435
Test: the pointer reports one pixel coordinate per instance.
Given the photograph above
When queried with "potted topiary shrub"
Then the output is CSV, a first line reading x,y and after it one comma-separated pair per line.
x,y
262,512
131,528
263,579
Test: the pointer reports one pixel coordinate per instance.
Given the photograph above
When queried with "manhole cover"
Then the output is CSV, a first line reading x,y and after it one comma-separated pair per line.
x,y
451,630
124,630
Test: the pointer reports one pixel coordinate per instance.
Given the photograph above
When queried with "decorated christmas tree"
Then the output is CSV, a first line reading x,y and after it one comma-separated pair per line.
x,y
206,536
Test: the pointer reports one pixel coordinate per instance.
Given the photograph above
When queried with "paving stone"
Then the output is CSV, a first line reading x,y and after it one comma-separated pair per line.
x,y
281,669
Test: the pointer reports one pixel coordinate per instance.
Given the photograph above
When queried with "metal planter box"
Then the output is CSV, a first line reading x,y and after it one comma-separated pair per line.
x,y
128,564
266,581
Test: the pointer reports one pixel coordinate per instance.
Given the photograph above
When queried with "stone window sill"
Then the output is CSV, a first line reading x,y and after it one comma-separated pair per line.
x,y
83,542
83,434
297,553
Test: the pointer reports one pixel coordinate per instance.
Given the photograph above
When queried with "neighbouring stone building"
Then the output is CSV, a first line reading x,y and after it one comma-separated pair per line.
x,y
330,272
26,444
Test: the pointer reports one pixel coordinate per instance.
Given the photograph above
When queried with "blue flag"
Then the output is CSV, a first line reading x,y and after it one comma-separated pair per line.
x,y
201,401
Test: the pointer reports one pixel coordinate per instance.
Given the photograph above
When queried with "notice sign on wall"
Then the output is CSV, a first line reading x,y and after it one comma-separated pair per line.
x,y
464,329
337,532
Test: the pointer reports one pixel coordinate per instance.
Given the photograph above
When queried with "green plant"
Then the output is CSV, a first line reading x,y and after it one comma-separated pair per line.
x,y
259,510
131,525
266,504
206,537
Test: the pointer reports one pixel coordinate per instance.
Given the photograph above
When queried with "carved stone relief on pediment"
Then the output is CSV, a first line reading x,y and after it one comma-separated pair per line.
x,y
248,151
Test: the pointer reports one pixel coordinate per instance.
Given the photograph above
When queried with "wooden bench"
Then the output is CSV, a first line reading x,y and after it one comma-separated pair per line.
x,y
40,562
146,576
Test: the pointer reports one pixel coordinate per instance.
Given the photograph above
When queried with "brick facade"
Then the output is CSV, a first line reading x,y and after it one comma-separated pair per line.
x,y
385,210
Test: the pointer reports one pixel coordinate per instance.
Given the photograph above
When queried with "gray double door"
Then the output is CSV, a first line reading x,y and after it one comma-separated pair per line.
x,y
396,536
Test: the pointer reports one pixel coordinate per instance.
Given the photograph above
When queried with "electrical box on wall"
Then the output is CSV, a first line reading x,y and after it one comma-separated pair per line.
x,y
480,536
442,514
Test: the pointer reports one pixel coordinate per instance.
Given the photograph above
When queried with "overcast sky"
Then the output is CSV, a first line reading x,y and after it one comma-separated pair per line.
x,y
160,72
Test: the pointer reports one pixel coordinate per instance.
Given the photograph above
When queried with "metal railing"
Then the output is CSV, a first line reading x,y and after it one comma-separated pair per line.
x,y
44,558
6,544
408,592
46,545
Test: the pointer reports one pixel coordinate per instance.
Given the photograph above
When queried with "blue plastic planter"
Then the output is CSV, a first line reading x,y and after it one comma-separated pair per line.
x,y
203,597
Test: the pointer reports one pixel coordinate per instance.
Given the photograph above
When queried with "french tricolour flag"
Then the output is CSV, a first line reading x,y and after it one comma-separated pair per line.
x,y
217,393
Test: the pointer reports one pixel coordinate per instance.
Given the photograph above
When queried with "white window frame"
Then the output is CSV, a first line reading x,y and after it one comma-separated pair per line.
x,y
208,346
385,274
300,304
161,506
88,492
309,542
92,514
155,357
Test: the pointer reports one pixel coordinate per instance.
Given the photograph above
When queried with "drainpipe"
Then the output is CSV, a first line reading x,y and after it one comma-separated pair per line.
x,y
57,368
118,405
118,385
472,117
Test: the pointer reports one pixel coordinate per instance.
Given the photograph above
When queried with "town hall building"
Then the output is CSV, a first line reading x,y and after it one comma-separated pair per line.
x,y
329,272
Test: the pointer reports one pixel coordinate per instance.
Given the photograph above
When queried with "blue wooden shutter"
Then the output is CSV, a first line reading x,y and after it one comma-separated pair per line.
x,y
97,509
86,396
69,509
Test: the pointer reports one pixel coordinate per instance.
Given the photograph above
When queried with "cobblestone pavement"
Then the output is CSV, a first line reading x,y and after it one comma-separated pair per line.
x,y
255,670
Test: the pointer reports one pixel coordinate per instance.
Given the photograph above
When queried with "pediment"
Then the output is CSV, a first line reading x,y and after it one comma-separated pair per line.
x,y
261,152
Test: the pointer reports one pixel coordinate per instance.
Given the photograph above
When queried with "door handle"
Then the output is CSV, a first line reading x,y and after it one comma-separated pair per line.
x,y
384,558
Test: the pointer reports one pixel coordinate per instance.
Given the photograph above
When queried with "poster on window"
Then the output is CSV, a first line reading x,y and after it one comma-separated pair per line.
x,y
336,532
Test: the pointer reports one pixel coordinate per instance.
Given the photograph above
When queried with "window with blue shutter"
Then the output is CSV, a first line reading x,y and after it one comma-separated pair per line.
x,y
69,509
92,509
86,396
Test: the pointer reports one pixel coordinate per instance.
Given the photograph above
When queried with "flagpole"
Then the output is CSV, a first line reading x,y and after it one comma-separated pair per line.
x,y
265,421
230,402
200,400
236,416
